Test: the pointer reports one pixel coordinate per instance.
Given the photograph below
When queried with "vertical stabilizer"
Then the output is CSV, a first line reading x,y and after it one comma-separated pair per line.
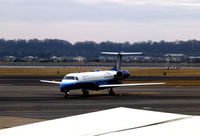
x,y
119,57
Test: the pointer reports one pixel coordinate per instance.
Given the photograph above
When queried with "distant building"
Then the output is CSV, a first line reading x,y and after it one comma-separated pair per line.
x,y
43,59
147,59
31,59
9,58
175,57
79,59
66,59
107,59
194,59
54,59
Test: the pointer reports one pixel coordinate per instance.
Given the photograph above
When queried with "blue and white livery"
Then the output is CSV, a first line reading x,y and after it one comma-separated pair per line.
x,y
98,79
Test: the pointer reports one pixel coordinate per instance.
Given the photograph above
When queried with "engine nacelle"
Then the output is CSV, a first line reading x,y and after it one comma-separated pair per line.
x,y
122,74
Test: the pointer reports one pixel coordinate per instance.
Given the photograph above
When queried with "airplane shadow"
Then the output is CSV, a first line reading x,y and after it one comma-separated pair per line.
x,y
117,96
129,96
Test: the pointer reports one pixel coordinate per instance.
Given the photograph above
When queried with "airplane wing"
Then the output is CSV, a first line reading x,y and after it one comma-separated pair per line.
x,y
136,84
113,122
52,82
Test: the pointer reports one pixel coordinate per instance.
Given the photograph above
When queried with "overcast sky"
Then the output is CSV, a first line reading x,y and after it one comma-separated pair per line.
x,y
100,20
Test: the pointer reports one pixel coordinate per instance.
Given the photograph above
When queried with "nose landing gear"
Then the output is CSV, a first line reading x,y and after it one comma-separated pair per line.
x,y
66,94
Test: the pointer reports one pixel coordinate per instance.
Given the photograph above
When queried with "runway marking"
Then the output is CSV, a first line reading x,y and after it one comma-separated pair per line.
x,y
144,93
119,94
44,110
179,86
96,92
5,84
36,89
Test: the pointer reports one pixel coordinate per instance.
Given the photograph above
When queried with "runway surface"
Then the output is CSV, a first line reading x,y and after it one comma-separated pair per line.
x,y
46,102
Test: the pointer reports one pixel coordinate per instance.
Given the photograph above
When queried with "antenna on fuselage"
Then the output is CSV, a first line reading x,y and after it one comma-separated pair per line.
x,y
119,57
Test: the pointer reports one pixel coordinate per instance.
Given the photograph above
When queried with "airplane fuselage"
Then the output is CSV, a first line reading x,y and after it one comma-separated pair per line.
x,y
88,80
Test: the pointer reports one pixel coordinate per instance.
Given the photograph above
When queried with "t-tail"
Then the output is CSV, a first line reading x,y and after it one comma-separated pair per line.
x,y
119,58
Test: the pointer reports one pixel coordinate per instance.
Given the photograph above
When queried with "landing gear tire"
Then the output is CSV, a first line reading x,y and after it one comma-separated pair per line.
x,y
85,92
111,92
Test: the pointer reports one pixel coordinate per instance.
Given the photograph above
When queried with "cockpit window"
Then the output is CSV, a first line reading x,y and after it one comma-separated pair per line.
x,y
70,78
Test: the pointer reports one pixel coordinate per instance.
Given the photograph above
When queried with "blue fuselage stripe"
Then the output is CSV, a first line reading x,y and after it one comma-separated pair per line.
x,y
89,84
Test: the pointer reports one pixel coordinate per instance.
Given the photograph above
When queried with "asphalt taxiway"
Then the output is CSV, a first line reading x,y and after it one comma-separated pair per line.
x,y
47,102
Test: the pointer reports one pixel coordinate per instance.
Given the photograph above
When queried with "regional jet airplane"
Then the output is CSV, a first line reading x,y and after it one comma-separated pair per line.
x,y
98,80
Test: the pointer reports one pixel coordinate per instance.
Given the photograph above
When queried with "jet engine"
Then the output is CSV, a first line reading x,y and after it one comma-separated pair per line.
x,y
122,74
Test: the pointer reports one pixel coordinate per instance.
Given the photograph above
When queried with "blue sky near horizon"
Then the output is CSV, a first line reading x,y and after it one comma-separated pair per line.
x,y
100,20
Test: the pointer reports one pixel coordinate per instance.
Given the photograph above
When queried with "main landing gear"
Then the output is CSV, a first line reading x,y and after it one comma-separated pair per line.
x,y
111,92
85,92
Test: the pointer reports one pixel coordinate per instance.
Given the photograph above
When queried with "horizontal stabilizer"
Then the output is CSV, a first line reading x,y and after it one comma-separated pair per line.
x,y
52,82
136,84
122,53
119,57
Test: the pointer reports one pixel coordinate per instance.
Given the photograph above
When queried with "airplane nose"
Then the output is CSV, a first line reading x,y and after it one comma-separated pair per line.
x,y
67,85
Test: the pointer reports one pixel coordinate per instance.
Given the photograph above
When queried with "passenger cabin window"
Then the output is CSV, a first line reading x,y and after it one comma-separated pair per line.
x,y
76,78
